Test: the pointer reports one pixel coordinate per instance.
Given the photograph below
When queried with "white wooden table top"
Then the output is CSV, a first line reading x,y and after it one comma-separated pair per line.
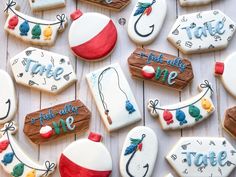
x,y
203,65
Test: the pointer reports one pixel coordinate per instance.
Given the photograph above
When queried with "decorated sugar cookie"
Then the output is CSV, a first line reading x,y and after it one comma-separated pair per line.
x,y
30,29
184,114
8,103
202,157
194,2
13,159
57,121
160,68
116,5
146,20
226,71
43,70
86,158
202,32
230,121
113,96
37,5
92,36
139,153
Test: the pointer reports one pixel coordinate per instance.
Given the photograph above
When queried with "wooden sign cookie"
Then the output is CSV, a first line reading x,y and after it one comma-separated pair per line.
x,y
15,161
116,5
57,121
230,121
202,157
43,70
161,68
30,29
186,113
38,5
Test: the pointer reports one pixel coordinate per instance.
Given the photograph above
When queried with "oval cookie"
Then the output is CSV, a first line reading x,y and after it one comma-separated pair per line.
x,y
92,36
86,158
194,2
8,103
146,20
139,153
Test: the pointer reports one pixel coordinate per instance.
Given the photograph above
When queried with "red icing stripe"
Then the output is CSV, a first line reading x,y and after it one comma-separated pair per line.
x,y
99,46
70,169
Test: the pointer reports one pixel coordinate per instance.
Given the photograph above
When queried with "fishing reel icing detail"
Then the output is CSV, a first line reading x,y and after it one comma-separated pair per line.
x,y
38,5
187,113
202,157
139,152
200,32
14,161
8,102
43,70
113,96
146,20
30,29
226,72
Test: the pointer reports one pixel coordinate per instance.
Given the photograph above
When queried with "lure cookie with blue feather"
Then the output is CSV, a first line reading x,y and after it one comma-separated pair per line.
x,y
187,113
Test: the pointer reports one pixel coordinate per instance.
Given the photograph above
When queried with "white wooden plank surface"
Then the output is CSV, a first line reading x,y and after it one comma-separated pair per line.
x,y
203,65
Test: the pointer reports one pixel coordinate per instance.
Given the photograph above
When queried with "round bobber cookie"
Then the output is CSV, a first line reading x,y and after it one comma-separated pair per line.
x,y
92,36
226,71
86,157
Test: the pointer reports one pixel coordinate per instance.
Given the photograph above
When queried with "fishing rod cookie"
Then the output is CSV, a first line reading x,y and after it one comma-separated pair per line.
x,y
86,158
30,29
160,68
13,159
43,70
39,5
139,153
8,101
146,20
187,113
202,157
113,97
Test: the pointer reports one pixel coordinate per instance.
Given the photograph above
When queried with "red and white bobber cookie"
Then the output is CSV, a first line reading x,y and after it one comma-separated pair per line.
x,y
148,72
86,158
92,36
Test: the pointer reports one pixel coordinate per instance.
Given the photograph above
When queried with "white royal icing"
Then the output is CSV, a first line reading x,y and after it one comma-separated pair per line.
x,y
228,77
202,157
194,2
169,175
146,22
138,159
37,5
202,32
8,103
19,158
184,114
43,70
111,91
33,30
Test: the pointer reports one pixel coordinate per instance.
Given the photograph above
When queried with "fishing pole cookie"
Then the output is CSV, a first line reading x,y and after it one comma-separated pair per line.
x,y
146,20
38,5
13,159
43,70
226,71
113,96
56,122
30,29
202,32
8,102
92,36
139,153
202,157
230,121
86,158
160,68
187,113
194,2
